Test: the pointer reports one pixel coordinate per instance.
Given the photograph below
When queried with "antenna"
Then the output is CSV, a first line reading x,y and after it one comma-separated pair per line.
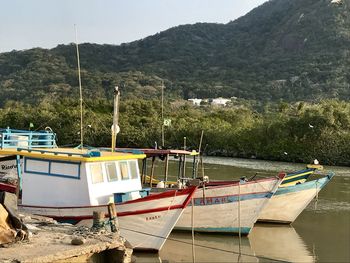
x,y
80,90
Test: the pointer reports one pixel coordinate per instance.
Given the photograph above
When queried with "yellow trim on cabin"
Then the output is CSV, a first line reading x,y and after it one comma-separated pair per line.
x,y
73,158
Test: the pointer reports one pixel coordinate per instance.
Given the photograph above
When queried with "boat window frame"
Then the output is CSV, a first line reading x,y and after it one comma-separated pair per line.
x,y
127,170
92,175
135,164
117,174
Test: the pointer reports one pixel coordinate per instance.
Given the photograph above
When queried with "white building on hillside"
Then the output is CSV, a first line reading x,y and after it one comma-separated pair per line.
x,y
220,101
196,102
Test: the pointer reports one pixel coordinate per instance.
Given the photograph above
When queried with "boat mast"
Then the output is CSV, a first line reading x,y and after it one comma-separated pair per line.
x,y
162,115
80,90
115,127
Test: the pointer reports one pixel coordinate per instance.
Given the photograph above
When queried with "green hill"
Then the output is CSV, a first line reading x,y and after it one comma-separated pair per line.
x,y
284,49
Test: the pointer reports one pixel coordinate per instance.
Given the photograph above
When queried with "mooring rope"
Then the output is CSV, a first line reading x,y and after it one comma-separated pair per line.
x,y
208,247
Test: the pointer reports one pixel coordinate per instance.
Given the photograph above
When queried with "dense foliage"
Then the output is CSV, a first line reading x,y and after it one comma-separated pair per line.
x,y
291,50
279,54
297,132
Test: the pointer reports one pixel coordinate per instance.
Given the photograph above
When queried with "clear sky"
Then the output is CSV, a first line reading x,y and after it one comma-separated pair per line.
x,y
46,23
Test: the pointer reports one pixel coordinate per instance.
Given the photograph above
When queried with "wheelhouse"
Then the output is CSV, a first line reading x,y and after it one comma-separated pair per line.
x,y
75,177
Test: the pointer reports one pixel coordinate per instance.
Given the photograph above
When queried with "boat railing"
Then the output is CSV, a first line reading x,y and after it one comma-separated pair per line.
x,y
11,138
88,155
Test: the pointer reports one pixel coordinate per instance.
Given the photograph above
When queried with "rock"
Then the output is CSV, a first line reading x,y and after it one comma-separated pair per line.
x,y
9,200
7,233
78,241
21,235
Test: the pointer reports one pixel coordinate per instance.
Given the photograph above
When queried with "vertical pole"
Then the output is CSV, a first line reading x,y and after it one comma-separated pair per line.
x,y
152,171
2,140
180,168
166,170
184,161
80,90
115,118
112,212
19,174
194,166
200,151
239,215
192,227
143,171
97,219
162,115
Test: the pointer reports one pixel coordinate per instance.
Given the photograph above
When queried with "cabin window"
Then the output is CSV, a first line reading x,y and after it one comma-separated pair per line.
x,y
133,169
123,166
96,173
111,172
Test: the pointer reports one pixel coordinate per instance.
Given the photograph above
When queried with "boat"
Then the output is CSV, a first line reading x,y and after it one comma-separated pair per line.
x,y
300,176
70,184
288,202
228,207
219,206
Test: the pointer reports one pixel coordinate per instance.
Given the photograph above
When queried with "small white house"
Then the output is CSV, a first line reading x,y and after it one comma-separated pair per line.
x,y
196,102
220,101
336,2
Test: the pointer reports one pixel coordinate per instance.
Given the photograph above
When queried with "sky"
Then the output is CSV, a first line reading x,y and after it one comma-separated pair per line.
x,y
26,24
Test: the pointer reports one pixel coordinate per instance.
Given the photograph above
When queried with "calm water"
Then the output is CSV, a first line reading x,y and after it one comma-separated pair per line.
x,y
320,234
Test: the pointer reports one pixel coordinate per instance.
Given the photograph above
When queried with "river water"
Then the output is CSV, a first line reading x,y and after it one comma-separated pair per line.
x,y
320,234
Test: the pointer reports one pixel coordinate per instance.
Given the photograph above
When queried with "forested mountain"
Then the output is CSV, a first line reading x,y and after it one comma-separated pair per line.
x,y
284,49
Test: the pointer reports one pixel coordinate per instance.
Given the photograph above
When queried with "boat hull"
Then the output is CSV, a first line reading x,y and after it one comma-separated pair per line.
x,y
228,208
288,202
145,223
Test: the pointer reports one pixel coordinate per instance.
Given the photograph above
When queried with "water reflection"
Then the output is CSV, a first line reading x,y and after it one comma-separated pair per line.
x,y
207,248
266,243
324,226
279,242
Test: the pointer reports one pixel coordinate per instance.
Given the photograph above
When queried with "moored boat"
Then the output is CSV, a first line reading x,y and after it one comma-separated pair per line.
x,y
228,207
288,202
69,184
300,176
220,206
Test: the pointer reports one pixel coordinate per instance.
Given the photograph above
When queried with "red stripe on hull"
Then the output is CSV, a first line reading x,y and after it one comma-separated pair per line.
x,y
167,194
121,214
8,188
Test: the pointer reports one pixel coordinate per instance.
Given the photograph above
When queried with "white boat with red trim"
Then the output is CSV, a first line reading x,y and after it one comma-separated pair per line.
x,y
219,206
228,207
69,184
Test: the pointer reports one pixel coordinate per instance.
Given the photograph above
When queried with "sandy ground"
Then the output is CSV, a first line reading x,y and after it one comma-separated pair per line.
x,y
50,242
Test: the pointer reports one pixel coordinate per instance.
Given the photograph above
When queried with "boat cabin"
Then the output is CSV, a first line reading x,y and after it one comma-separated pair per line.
x,y
165,155
75,177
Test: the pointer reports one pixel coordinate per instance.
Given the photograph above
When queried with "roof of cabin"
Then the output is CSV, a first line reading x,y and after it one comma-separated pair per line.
x,y
156,152
73,154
